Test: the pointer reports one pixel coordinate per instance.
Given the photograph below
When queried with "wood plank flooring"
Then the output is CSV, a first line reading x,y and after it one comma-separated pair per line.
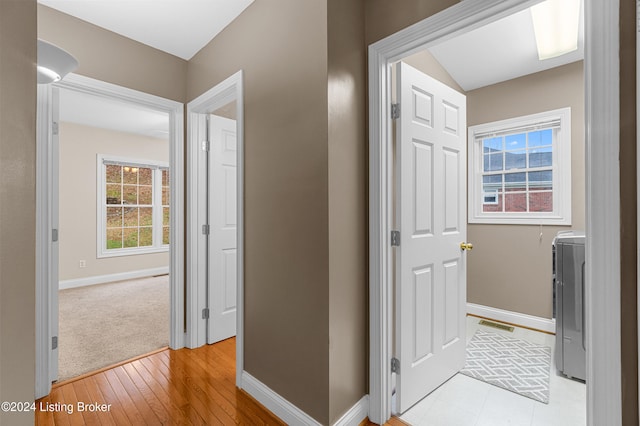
x,y
183,387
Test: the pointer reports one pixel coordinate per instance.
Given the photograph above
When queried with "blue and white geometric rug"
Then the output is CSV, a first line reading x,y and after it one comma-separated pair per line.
x,y
512,364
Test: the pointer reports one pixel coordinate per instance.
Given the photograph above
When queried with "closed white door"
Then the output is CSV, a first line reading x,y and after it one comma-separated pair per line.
x,y
222,220
431,218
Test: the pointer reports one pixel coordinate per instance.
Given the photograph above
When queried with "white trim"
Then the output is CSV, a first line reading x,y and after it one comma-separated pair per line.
x,y
603,204
175,110
515,318
216,97
279,406
561,170
110,278
356,414
602,119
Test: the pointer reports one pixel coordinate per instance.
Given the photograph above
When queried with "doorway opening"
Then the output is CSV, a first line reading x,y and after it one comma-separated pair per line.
x,y
215,225
114,257
454,21
125,205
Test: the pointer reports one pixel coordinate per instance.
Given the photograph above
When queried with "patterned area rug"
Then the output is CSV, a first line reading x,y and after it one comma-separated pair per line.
x,y
512,364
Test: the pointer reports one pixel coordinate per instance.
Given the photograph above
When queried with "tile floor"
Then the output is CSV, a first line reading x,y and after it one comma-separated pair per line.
x,y
464,401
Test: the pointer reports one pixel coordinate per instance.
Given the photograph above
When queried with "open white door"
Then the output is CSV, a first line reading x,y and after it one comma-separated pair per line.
x,y
431,217
222,220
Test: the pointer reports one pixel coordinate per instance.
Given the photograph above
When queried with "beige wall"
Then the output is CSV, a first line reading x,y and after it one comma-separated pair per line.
x,y
110,57
510,266
17,205
429,65
79,146
348,209
629,214
282,47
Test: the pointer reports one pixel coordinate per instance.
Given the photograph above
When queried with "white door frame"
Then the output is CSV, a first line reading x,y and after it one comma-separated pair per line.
x,y
45,168
225,92
602,198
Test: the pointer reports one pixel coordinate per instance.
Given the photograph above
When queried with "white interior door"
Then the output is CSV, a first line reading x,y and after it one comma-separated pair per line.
x,y
222,220
431,218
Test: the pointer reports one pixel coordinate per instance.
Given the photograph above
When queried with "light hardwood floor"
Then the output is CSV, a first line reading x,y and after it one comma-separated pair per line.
x,y
183,387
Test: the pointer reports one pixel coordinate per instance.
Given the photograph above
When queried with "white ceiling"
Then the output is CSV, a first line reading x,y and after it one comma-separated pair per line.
x,y
178,27
90,110
501,51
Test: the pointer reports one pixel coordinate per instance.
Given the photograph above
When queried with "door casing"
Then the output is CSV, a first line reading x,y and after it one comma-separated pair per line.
x,y
225,92
45,282
602,198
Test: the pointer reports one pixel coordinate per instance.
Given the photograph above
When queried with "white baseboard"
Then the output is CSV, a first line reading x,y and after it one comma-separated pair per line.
x,y
530,321
120,276
356,414
279,406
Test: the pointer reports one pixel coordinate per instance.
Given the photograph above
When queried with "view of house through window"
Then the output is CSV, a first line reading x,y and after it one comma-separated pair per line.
x,y
520,170
517,173
135,207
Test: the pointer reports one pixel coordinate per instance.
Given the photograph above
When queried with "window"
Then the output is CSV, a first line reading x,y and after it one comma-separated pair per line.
x,y
133,206
520,170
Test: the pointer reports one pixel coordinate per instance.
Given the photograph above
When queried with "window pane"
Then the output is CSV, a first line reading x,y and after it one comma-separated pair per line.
x,y
515,181
541,201
165,235
145,195
541,157
114,217
130,194
515,160
114,193
130,216
492,162
165,216
146,176
513,142
540,138
515,202
114,238
541,180
113,173
146,216
165,177
146,236
130,174
492,183
491,145
165,196
493,207
130,237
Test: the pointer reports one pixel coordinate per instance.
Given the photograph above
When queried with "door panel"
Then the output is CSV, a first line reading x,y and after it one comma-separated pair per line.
x,y
431,218
222,240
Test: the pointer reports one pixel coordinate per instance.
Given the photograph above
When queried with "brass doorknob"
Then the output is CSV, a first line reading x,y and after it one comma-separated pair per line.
x,y
466,246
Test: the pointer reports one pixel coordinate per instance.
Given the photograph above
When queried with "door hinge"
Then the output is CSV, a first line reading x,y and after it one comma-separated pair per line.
x,y
55,128
54,235
205,146
206,229
395,365
395,111
54,342
205,313
395,238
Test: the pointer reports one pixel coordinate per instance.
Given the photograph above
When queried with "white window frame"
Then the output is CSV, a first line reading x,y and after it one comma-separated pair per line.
x,y
157,247
561,165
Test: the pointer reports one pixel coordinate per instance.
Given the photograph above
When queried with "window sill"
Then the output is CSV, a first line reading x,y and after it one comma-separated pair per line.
x,y
131,252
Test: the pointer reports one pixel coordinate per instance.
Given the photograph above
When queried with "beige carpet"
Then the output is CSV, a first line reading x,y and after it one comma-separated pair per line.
x,y
104,324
